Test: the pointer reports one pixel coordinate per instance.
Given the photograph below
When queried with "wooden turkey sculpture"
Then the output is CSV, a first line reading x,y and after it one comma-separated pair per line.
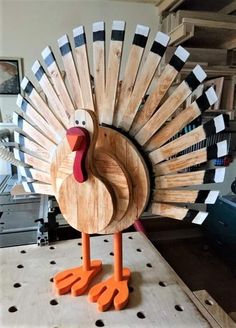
x,y
105,157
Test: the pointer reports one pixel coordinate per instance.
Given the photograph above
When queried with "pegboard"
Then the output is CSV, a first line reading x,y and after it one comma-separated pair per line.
x,y
158,298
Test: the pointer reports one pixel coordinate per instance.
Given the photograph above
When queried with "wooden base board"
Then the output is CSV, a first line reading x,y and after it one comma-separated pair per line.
x,y
158,297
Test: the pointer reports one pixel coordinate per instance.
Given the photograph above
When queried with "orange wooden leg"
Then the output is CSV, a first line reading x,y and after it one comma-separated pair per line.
x,y
78,279
114,290
86,251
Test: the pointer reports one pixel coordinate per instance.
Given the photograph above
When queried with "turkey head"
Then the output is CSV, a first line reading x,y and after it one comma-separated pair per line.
x,y
85,200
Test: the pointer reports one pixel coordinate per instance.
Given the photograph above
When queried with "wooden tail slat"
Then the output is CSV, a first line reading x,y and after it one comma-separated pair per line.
x,y
38,188
186,116
42,107
165,80
193,158
54,101
113,70
31,147
99,59
131,71
81,58
32,132
71,72
144,79
180,94
190,178
33,174
57,80
37,119
185,196
189,139
178,213
35,162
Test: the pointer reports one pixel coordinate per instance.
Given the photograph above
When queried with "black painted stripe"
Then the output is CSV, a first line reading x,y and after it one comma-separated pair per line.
x,y
99,36
80,40
65,49
140,40
24,105
226,120
20,122
28,88
28,173
22,156
212,152
209,128
40,72
49,59
117,35
209,176
30,185
192,81
21,140
190,215
177,63
158,48
202,196
203,102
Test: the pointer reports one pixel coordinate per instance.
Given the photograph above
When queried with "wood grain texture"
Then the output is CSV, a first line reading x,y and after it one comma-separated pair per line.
x,y
163,113
35,175
87,207
40,188
143,81
129,189
46,112
129,80
167,210
179,180
112,78
174,126
59,85
184,196
29,146
99,75
38,119
174,147
35,162
93,201
81,58
71,73
119,146
33,133
152,298
154,99
110,169
181,162
214,309
52,98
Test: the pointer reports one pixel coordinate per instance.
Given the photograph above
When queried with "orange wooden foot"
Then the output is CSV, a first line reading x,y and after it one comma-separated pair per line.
x,y
76,280
111,290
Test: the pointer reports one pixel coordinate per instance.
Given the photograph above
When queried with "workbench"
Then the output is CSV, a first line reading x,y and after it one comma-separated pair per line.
x,y
158,297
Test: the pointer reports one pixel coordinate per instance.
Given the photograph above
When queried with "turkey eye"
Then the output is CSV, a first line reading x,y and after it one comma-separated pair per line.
x,y
83,122
76,122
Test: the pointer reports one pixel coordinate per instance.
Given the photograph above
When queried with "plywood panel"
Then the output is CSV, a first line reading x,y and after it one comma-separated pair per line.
x,y
156,301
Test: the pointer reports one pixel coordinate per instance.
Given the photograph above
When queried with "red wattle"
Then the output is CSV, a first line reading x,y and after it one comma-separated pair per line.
x,y
79,168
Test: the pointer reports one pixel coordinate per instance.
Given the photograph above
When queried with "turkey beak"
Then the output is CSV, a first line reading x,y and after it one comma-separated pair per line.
x,y
75,137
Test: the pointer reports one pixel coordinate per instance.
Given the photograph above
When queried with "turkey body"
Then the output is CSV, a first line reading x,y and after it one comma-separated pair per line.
x,y
116,191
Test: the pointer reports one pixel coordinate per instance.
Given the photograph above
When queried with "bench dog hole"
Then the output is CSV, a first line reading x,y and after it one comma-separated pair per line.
x,y
53,302
12,309
99,323
141,315
179,308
